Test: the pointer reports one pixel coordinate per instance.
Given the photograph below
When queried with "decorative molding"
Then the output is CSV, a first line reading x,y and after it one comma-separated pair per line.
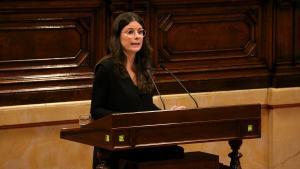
x,y
41,124
195,37
47,42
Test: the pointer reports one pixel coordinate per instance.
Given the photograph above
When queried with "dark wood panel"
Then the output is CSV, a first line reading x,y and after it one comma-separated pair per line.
x,y
42,95
198,85
15,6
210,47
284,33
48,50
203,2
171,127
229,35
297,33
286,61
53,41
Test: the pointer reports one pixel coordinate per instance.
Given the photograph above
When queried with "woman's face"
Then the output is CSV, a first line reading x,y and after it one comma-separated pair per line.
x,y
131,38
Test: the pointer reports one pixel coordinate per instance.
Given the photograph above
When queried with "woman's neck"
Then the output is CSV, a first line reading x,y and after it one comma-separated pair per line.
x,y
130,67
129,60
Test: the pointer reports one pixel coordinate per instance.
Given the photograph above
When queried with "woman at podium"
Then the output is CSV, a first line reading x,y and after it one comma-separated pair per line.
x,y
123,83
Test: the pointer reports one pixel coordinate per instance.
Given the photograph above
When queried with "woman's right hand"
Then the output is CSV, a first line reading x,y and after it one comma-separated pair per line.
x,y
175,107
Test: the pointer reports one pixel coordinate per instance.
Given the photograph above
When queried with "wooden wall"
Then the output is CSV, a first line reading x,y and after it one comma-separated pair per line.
x,y
48,48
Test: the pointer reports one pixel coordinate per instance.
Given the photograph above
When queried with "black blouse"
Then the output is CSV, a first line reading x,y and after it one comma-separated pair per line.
x,y
114,94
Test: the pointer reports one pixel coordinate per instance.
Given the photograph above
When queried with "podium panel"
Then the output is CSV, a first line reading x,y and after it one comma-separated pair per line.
x,y
168,127
140,130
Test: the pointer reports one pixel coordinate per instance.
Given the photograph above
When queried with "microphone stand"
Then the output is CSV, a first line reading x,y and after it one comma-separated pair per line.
x,y
178,81
162,101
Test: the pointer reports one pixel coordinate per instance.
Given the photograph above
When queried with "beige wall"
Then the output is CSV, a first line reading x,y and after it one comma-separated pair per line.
x,y
29,135
40,147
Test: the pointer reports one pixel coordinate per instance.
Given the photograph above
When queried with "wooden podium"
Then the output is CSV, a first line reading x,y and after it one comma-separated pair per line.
x,y
120,131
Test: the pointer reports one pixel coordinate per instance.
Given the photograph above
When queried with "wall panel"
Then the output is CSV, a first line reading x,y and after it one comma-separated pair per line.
x,y
286,61
48,50
210,45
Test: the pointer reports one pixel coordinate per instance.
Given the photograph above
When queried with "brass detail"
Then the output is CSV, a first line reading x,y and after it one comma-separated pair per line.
x,y
121,138
250,128
107,138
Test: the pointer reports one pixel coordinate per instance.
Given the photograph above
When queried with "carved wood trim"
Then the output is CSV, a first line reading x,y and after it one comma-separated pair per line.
x,y
41,124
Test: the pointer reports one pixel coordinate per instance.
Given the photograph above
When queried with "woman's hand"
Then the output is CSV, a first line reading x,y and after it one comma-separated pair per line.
x,y
175,107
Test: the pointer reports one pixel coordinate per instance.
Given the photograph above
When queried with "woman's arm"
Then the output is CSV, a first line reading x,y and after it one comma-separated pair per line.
x,y
100,93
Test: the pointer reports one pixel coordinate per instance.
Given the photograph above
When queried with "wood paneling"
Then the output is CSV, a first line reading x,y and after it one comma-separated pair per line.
x,y
286,61
48,49
210,46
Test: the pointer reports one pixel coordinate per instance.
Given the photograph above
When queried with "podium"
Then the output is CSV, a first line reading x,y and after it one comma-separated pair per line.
x,y
121,131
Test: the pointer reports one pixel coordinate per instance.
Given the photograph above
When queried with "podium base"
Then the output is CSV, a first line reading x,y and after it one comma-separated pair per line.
x,y
112,158
192,160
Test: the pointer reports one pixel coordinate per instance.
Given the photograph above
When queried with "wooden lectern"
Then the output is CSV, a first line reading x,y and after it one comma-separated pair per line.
x,y
120,131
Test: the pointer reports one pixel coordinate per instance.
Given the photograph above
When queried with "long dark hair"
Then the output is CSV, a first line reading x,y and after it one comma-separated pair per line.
x,y
142,62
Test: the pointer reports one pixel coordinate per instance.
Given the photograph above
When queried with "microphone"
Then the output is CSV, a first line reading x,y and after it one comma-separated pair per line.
x,y
178,81
162,101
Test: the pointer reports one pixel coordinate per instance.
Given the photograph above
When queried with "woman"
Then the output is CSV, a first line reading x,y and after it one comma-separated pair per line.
x,y
122,80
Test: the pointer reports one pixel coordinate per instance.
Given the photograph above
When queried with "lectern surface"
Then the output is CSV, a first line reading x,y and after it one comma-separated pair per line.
x,y
156,128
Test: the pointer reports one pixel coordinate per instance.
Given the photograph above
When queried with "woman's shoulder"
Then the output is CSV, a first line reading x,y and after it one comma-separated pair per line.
x,y
106,62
